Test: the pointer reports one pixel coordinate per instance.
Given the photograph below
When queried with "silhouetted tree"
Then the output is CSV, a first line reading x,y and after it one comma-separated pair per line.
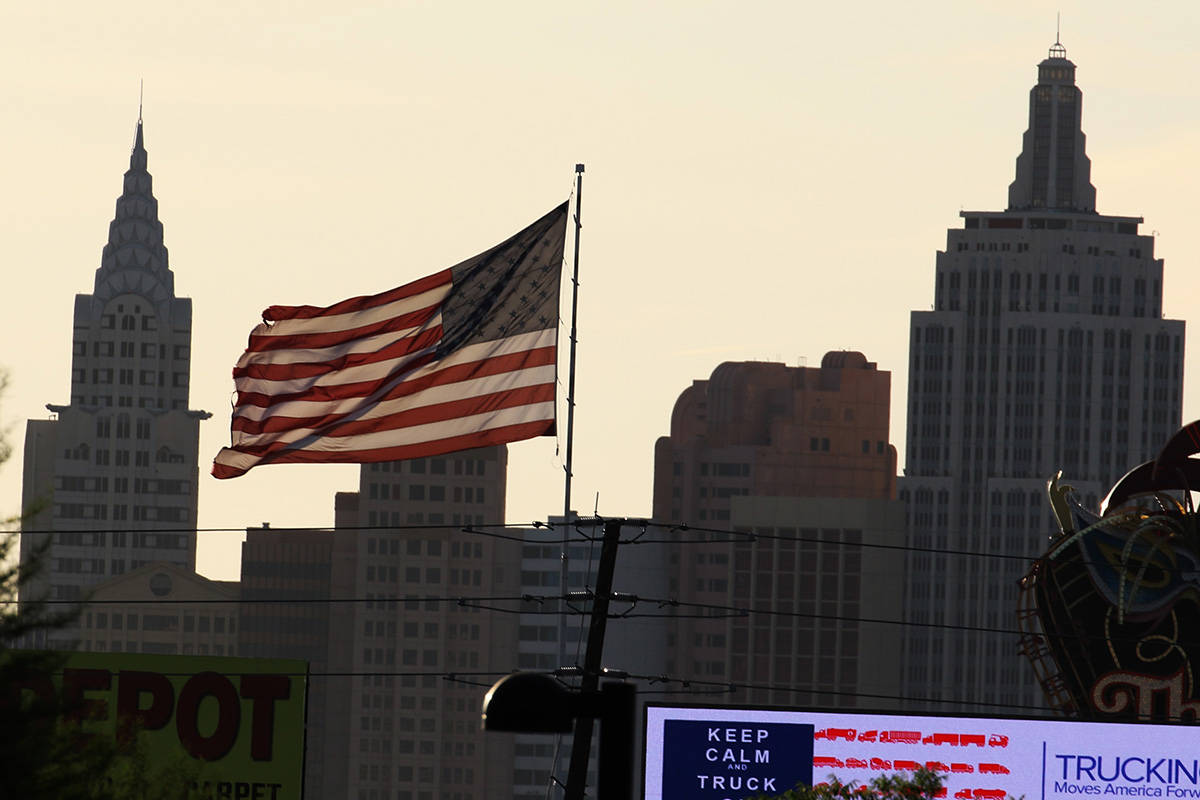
x,y
923,784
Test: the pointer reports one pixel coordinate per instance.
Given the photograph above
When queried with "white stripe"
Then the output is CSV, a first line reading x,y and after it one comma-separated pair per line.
x,y
462,390
375,371
310,408
331,323
417,434
318,355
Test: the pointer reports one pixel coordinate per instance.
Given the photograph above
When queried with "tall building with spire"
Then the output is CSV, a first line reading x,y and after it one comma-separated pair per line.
x,y
110,480
1046,350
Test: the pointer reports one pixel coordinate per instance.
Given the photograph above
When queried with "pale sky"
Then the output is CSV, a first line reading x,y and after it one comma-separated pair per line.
x,y
765,181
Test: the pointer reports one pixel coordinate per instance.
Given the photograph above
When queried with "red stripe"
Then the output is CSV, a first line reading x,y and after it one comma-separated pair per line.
x,y
437,447
495,365
260,343
294,371
424,415
278,313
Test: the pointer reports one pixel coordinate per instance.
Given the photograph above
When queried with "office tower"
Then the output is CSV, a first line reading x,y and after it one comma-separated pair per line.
x,y
800,458
286,613
161,608
1046,350
113,473
404,725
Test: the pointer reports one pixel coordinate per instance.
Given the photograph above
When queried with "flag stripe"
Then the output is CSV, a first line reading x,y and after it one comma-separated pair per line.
x,y
435,394
311,336
234,464
297,369
511,353
355,304
367,344
426,439
457,409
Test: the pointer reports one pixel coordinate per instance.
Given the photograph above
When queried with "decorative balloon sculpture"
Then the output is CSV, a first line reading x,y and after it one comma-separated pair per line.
x,y
1110,615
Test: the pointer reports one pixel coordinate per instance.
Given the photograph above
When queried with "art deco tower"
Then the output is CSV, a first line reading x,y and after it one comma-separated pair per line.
x,y
113,473
1046,350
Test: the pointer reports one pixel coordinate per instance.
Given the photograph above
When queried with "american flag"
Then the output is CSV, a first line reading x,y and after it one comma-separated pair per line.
x,y
463,358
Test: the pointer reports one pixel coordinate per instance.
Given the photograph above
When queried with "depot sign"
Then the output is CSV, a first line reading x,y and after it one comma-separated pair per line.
x,y
239,721
723,753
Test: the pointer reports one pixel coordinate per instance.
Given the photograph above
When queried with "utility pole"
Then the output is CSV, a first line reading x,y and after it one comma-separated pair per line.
x,y
581,744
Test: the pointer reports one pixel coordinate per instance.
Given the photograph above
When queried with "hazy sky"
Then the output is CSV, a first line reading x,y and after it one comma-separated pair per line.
x,y
764,181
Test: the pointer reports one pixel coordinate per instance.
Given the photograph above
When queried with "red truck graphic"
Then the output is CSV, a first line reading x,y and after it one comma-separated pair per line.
x,y
907,766
857,763
936,766
941,738
868,736
962,794
941,792
993,769
900,737
880,763
998,740
827,761
961,768
990,794
977,739
836,733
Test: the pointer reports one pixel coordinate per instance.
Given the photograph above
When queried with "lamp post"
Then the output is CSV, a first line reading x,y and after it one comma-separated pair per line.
x,y
533,702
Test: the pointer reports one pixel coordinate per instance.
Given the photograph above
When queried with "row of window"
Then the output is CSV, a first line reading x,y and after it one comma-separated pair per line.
x,y
169,623
162,648
99,511
103,457
166,541
125,401
432,575
428,547
129,322
103,376
120,485
107,349
420,492
433,466
375,518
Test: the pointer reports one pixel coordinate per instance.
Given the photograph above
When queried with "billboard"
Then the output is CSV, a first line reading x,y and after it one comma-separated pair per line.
x,y
235,724
724,753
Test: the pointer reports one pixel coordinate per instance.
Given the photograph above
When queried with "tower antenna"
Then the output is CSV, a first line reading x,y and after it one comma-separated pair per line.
x,y
1058,27
141,87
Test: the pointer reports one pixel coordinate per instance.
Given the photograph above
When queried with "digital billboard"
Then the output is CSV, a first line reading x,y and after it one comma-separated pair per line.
x,y
723,753
236,725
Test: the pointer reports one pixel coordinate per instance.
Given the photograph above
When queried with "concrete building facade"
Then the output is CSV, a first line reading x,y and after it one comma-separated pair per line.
x,y
403,729
1046,349
161,608
800,458
110,480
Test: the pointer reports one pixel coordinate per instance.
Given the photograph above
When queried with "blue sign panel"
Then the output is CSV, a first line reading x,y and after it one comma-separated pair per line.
x,y
725,760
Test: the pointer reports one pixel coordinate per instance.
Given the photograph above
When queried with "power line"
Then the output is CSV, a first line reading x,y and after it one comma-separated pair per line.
x,y
705,611
730,535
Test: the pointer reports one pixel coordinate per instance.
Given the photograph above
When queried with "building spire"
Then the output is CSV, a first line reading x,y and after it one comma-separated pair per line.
x,y
135,235
1057,50
1053,170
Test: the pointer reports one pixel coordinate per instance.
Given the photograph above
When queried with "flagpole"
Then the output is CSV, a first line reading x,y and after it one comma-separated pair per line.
x,y
571,367
562,583
563,571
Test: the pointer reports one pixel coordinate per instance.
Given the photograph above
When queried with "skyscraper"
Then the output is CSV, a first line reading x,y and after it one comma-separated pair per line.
x,y
1046,350
799,457
113,473
399,724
